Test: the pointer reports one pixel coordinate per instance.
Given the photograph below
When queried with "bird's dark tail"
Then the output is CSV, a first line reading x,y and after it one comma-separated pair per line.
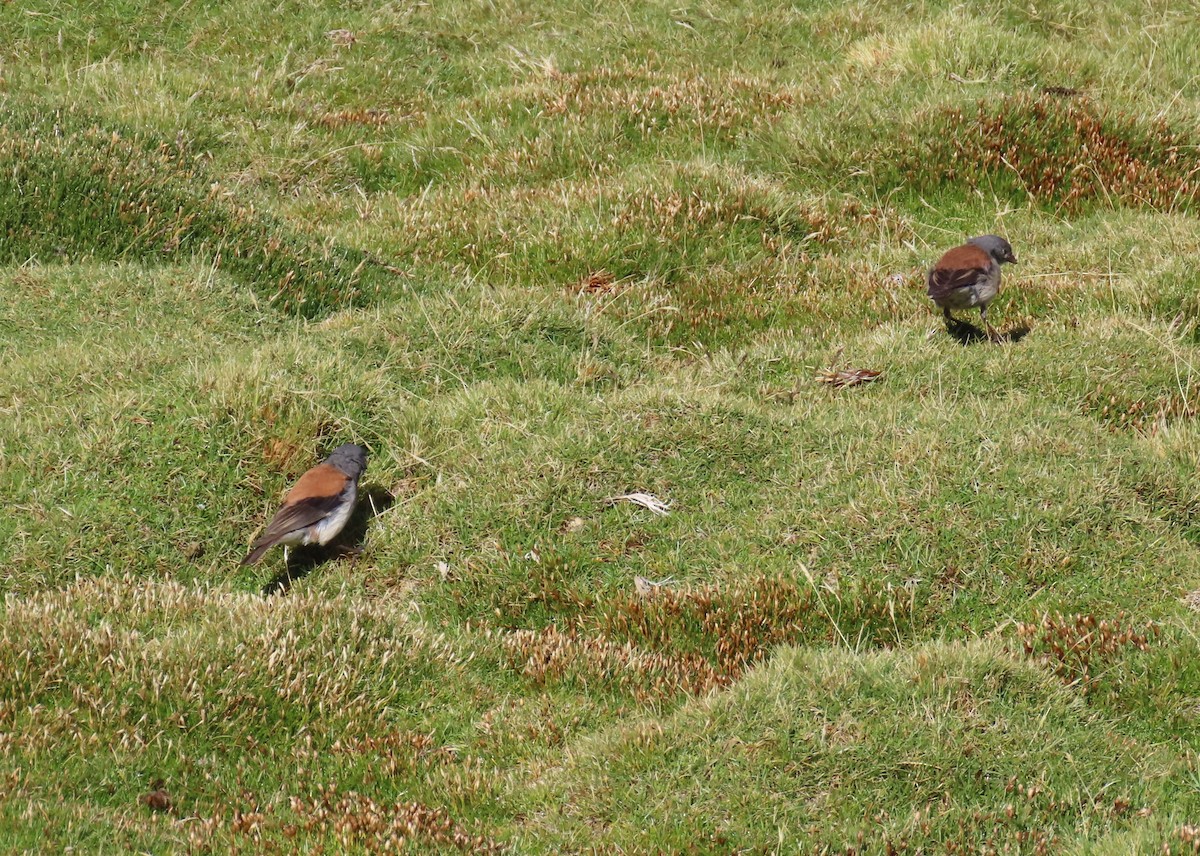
x,y
257,552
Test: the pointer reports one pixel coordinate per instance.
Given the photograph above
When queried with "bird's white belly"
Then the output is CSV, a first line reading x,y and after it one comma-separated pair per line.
x,y
972,296
325,531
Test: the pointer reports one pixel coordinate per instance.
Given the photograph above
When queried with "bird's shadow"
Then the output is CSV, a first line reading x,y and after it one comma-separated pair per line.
x,y
373,500
966,333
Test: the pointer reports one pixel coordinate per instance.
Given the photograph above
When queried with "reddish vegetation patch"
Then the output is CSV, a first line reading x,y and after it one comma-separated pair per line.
x,y
349,819
1068,153
396,753
360,821
690,640
1073,646
1187,840
1145,415
740,623
551,655
363,118
281,453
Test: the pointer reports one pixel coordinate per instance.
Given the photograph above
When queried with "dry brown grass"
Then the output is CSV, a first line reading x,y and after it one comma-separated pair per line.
x,y
650,102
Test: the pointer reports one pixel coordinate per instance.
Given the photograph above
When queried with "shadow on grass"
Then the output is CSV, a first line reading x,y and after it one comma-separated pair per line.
x,y
373,500
966,333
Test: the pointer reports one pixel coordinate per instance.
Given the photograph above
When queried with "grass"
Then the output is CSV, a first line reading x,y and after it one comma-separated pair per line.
x,y
537,257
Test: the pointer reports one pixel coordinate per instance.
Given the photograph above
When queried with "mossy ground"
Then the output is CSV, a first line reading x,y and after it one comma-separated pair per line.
x,y
538,256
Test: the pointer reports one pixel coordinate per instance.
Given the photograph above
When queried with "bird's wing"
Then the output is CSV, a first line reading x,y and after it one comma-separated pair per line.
x,y
943,282
298,515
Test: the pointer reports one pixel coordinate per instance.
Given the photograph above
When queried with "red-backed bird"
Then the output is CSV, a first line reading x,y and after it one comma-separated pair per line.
x,y
317,507
969,275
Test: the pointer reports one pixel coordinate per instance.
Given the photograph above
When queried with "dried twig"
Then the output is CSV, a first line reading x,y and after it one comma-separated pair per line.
x,y
1062,91
842,378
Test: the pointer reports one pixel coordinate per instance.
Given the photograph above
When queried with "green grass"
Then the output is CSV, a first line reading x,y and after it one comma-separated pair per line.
x,y
536,257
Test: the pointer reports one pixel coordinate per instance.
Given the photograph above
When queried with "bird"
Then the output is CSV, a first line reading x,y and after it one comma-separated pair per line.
x,y
969,275
317,507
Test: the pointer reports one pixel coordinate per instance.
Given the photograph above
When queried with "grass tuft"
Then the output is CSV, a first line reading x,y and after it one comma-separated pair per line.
x,y
75,188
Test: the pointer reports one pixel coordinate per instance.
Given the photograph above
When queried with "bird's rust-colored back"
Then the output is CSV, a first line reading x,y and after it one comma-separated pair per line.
x,y
957,268
964,257
321,481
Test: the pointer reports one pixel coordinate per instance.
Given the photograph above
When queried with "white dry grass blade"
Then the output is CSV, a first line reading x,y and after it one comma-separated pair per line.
x,y
646,500
648,588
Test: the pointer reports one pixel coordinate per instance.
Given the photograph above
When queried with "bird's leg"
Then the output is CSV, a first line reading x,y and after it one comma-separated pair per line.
x,y
343,551
949,317
991,334
285,557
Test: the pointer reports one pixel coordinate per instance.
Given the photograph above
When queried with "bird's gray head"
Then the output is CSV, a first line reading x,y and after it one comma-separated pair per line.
x,y
350,459
996,247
